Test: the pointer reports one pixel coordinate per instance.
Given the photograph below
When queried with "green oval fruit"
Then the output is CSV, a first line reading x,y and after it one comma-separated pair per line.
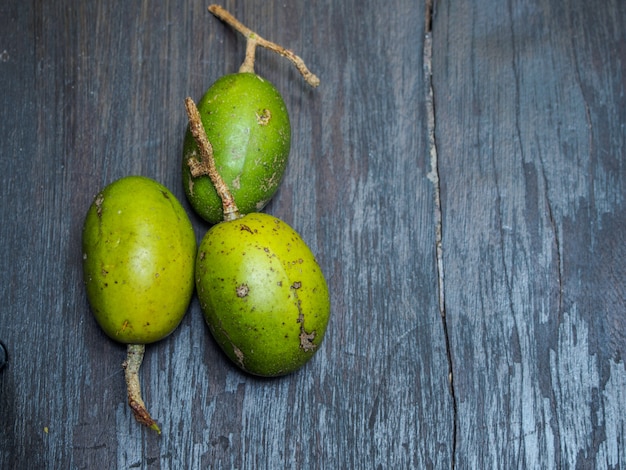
x,y
139,251
263,294
247,123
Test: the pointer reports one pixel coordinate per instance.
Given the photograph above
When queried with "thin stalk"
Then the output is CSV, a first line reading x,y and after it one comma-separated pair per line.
x,y
131,365
206,164
253,40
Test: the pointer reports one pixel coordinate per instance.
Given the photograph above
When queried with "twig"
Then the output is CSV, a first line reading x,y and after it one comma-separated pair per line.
x,y
253,39
131,367
206,165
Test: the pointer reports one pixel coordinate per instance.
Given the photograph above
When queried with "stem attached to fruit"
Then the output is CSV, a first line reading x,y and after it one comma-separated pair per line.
x,y
131,367
254,39
206,165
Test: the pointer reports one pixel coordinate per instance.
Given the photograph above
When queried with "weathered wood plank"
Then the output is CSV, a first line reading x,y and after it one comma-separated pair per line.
x,y
530,110
530,113
93,92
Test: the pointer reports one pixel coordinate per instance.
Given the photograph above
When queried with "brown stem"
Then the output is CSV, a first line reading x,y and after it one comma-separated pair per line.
x,y
253,39
206,165
131,367
248,62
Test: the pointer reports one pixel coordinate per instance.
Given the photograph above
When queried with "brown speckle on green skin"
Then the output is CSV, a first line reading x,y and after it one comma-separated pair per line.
x,y
264,118
306,341
190,185
239,355
98,203
306,338
242,290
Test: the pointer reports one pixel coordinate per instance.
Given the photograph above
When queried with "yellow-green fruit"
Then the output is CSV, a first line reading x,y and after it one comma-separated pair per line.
x,y
263,294
139,251
247,123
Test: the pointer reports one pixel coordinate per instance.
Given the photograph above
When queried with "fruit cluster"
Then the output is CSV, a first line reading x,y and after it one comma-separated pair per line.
x,y
261,290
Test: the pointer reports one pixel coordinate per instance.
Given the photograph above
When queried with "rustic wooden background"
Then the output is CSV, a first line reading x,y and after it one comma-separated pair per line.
x,y
460,176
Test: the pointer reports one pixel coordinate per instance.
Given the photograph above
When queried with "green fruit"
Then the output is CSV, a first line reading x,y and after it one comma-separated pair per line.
x,y
247,123
138,260
263,294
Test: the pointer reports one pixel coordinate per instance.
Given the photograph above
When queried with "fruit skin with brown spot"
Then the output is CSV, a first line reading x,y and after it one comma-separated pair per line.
x,y
263,294
247,123
139,253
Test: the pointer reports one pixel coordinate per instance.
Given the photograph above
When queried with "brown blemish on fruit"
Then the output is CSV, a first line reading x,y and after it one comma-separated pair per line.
x,y
261,204
123,328
99,200
245,228
242,290
190,185
270,182
264,118
236,183
239,355
306,340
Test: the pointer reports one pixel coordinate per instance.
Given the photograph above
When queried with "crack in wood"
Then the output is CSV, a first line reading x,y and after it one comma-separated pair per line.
x,y
433,176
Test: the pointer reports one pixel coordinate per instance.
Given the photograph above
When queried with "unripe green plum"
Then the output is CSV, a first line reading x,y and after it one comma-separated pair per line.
x,y
247,123
138,260
263,294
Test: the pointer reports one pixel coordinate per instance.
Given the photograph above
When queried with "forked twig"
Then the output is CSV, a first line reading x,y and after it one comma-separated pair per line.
x,y
253,40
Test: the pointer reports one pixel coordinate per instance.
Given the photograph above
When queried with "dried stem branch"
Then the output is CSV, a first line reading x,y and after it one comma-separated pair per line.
x,y
131,367
253,39
206,165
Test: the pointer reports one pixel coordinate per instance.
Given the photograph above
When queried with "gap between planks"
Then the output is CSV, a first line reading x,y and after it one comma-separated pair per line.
x,y
433,176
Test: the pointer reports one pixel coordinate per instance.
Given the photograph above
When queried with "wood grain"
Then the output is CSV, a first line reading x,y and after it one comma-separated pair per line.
x,y
530,133
529,115
95,92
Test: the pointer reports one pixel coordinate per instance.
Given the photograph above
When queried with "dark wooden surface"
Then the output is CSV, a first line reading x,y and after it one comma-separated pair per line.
x,y
505,348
